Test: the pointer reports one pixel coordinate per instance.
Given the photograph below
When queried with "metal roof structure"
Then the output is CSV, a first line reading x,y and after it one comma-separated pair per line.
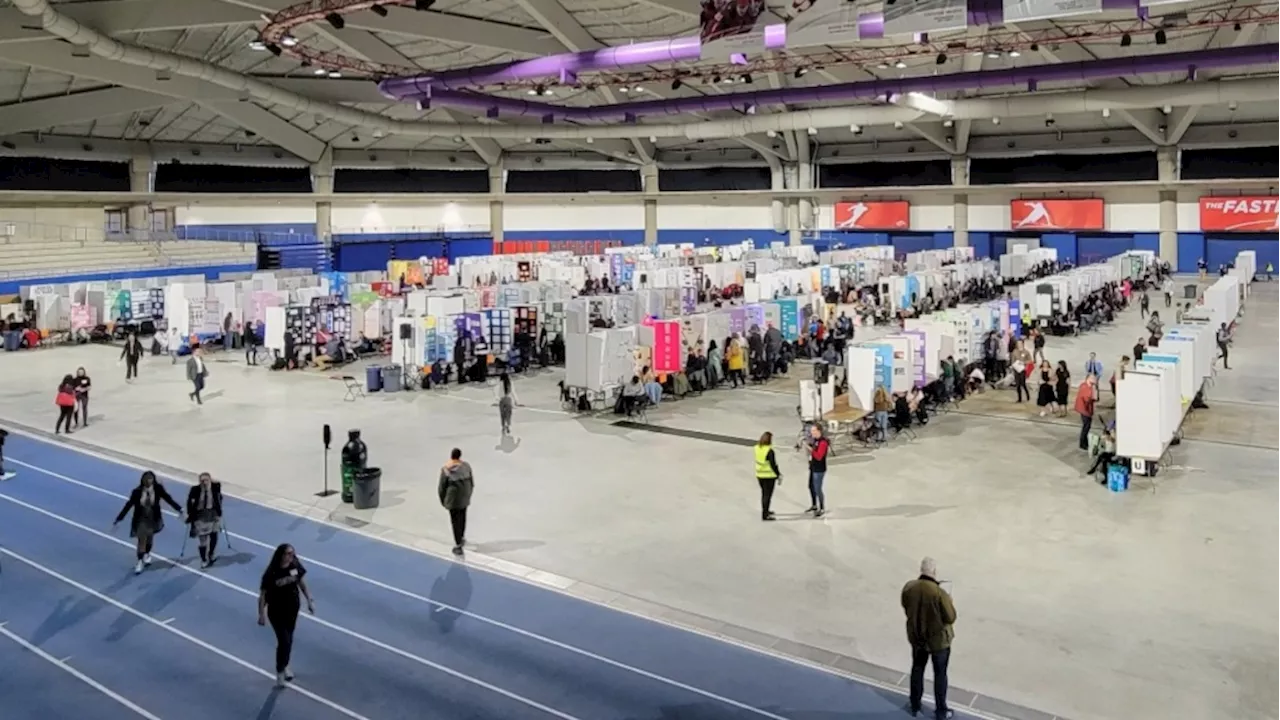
x,y
612,83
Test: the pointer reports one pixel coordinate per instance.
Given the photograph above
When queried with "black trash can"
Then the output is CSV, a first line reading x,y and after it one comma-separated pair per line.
x,y
366,490
1189,292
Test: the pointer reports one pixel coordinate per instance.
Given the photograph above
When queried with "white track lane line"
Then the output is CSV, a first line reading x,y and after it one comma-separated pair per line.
x,y
168,628
64,667
332,626
460,611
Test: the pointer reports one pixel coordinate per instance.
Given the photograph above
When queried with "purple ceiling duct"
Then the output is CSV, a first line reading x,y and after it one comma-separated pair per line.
x,y
1179,62
870,25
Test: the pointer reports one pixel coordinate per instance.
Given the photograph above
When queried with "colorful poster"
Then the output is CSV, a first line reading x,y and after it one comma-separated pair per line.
x,y
893,215
666,346
737,321
822,22
1240,214
729,27
122,306
1016,11
440,266
82,317
919,368
755,316
1085,214
688,300
471,325
789,320
884,365
615,267
825,275
337,285
908,17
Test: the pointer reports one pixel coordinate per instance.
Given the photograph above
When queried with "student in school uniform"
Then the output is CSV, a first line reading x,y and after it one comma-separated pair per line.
x,y
197,371
279,603
204,515
148,518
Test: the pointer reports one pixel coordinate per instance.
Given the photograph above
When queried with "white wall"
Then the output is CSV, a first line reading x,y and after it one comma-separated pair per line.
x,y
245,215
754,216
376,218
1189,216
55,223
572,215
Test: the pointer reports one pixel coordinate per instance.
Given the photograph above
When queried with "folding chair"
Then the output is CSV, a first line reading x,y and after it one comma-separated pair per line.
x,y
354,388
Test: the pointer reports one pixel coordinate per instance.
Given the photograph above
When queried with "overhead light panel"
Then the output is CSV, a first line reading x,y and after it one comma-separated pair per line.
x,y
948,123
771,133
801,72
638,89
1014,54
728,81
900,65
1161,38
1106,112
883,66
257,45
1166,109
897,124
320,71
378,10
288,41
335,74
1126,40
855,129
624,90
995,121
993,54
813,131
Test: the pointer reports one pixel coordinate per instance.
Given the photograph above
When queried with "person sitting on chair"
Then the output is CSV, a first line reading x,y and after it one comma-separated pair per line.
x,y
901,419
632,398
1106,453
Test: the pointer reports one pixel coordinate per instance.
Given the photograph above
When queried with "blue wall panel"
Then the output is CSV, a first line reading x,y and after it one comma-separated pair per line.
x,y
1190,250
210,272
857,239
360,257
943,240
1096,248
1222,249
981,244
271,233
1064,243
913,243
1147,241
760,236
469,248
626,237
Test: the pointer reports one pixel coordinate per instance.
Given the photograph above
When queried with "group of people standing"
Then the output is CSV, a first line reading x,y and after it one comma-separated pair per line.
x,y
72,401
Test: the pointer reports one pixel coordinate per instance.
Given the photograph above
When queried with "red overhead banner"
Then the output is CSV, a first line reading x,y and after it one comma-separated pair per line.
x,y
1086,214
895,215
1255,213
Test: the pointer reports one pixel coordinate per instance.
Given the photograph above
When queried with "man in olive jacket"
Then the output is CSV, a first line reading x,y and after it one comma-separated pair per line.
x,y
930,615
456,485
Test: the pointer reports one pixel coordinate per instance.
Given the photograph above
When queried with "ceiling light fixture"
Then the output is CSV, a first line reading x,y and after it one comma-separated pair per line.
x,y
257,45
1014,54
624,89
771,133
942,59
728,81
883,66
715,79
1166,109
1126,40
801,72
1106,112
335,20
320,71
995,121
900,65
378,10
897,124
335,74
1232,105
813,131
638,88
948,123
288,41
1161,38
855,129
747,79
676,84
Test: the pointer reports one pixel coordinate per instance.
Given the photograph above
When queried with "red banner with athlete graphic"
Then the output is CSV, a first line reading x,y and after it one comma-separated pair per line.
x,y
1084,214
891,215
1259,213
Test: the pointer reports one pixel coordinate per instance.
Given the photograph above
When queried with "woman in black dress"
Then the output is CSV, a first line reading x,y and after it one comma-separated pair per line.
x,y
148,518
278,603
1062,385
1044,396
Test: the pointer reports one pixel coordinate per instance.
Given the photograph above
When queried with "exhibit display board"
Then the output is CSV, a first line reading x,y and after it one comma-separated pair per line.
x,y
860,372
666,346
755,316
816,400
789,319
884,364
1138,423
920,370
1203,346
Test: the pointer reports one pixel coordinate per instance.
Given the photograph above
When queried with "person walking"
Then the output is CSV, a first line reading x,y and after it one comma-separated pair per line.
x,y
819,447
204,515
1062,386
1086,397
66,402
131,354
457,483
148,518
931,616
506,406
1223,337
734,358
81,414
1145,305
767,474
1021,363
4,475
278,603
197,371
249,339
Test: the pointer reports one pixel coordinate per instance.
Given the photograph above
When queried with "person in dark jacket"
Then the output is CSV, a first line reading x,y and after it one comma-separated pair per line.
x,y
930,617
767,474
278,602
204,516
819,447
249,339
3,474
131,354
66,402
456,486
83,385
148,518
197,371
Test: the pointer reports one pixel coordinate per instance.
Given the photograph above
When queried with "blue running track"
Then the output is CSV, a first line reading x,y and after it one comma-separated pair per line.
x,y
397,633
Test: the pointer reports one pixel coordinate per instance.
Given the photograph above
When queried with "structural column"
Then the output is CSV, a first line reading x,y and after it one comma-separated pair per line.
x,y
777,182
960,179
791,179
649,185
497,188
322,184
1168,172
141,181
805,181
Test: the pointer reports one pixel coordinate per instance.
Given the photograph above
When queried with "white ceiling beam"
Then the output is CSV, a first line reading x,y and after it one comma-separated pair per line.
x,y
1147,122
56,56
934,133
117,17
763,147
972,62
348,91
645,148
76,108
616,149
270,127
923,103
431,25
1179,122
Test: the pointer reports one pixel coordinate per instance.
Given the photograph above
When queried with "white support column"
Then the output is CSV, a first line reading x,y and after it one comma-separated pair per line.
x,y
777,208
497,187
649,184
1168,172
804,177
791,179
960,179
141,181
322,184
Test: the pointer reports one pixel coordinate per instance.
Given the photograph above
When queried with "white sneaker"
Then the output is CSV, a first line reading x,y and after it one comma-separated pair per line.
x,y
146,559
288,674
280,680
137,568
8,476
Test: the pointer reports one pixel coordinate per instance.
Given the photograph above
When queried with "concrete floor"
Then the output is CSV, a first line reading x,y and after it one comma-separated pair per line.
x,y
1159,602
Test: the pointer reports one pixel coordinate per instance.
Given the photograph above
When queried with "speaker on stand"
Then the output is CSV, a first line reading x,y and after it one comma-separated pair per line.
x,y
327,436
406,335
821,372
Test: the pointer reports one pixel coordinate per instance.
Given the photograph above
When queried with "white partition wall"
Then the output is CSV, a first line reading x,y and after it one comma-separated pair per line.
x,y
860,369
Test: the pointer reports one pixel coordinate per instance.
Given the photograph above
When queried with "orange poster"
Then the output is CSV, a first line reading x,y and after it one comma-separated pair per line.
x,y
1057,215
1240,214
894,215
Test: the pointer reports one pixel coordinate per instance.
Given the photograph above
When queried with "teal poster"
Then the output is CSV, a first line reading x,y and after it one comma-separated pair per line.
x,y
910,290
826,277
789,318
884,365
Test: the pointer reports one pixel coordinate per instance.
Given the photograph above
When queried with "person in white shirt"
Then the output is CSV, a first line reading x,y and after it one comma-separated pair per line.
x,y
197,371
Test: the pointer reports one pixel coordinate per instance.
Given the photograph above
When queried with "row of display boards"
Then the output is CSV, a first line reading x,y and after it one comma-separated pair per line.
x,y
1155,395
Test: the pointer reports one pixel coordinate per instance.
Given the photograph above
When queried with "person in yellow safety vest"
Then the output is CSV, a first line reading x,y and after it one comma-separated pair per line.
x,y
767,473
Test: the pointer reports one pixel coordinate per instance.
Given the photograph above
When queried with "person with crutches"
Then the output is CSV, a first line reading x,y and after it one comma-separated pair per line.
x,y
204,515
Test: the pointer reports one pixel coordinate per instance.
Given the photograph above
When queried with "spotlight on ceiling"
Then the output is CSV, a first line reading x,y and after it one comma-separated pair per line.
x,y
993,54
335,74
257,45
883,66
624,89
855,129
638,89
948,123
423,4
1014,54
942,59
1126,40
995,121
1106,112
1161,38
288,41
1048,121
801,72
378,10
813,131
897,124
320,71
715,79
335,20
900,65
274,49
676,84
746,79
728,81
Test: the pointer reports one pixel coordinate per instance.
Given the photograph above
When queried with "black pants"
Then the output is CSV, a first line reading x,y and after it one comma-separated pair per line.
x,y
738,376
283,623
65,414
458,520
1020,384
1144,312
1104,458
1168,299
197,386
766,494
250,355
1086,422
130,368
82,410
919,658
1223,348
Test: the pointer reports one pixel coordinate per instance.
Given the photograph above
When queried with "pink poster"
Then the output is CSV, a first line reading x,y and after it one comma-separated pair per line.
x,y
666,346
82,317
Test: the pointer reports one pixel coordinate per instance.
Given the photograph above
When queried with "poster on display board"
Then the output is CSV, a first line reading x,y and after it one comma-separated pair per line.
x,y
825,276
83,317
615,267
472,327
440,266
822,22
755,316
738,321
884,365
910,290
919,369
1028,10
1015,317
688,300
789,319
666,346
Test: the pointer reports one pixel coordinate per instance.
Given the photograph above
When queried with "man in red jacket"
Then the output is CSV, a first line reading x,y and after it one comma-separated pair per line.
x,y
819,446
1086,396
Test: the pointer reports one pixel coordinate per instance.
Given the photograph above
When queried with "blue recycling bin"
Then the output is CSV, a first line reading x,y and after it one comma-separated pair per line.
x,y
391,379
12,340
373,378
1117,477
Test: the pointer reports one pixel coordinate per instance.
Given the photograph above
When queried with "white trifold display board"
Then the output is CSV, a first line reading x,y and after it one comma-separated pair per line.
x,y
816,400
860,370
274,327
940,341
903,351
1246,265
600,359
1204,348
1143,425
